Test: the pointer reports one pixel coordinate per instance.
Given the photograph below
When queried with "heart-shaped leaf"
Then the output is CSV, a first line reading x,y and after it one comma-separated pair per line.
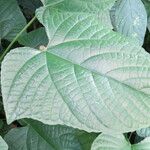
x,y
89,78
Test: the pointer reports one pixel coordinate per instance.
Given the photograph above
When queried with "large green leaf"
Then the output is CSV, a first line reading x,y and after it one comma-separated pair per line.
x,y
89,78
48,88
3,145
12,20
118,142
129,18
37,136
34,38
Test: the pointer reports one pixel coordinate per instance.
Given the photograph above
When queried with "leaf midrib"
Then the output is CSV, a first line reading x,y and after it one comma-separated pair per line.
x,y
106,76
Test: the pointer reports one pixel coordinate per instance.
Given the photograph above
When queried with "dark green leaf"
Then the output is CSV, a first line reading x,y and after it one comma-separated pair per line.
x,y
37,136
12,20
34,39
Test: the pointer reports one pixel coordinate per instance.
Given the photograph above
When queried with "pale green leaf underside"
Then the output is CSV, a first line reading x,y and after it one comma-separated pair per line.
x,y
45,87
3,145
129,18
111,142
90,5
89,78
37,136
67,25
118,142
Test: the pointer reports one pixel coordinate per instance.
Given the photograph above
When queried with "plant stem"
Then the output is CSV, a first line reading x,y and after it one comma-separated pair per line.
x,y
16,38
130,136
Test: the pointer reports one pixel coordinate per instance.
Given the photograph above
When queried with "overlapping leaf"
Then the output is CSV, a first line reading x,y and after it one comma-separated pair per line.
x,y
93,5
147,7
35,38
111,142
99,7
89,78
37,136
129,18
16,138
145,132
118,142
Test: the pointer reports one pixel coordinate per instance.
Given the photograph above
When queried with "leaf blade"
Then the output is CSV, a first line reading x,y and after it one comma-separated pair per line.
x,y
37,136
134,22
79,78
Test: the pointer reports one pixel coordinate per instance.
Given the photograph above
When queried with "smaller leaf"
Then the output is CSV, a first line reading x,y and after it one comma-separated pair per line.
x,y
118,142
86,139
129,18
34,39
111,142
3,145
38,136
145,132
16,138
147,7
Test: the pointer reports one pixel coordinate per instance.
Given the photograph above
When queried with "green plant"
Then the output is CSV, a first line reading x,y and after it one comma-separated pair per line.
x,y
83,73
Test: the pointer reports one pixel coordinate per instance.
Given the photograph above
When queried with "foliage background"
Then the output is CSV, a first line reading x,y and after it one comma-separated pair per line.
x,y
35,36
